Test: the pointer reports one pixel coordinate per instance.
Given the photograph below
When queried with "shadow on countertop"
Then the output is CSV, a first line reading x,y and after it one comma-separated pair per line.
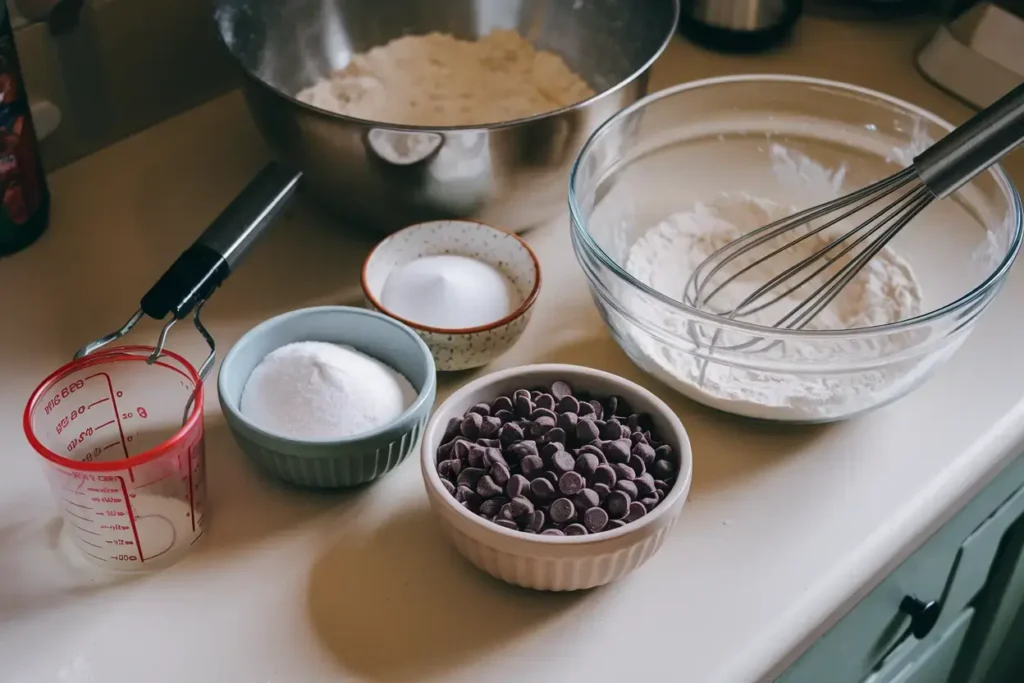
x,y
398,603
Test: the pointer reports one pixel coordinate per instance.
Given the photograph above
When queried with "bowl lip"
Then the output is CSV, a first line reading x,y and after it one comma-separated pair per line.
x,y
991,282
520,310
494,126
672,503
423,397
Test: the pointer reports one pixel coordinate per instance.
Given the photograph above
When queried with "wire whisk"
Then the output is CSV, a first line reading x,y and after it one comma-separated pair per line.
x,y
877,213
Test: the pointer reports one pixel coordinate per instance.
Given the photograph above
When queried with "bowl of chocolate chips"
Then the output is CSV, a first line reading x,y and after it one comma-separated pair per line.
x,y
556,477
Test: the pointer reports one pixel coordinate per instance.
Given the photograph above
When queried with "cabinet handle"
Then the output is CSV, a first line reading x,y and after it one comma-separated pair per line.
x,y
923,617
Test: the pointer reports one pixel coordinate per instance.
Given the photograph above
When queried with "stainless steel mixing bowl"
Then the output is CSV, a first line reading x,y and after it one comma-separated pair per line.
x,y
513,174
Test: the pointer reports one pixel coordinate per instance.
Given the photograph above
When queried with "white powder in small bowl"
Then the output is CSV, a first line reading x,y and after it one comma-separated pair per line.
x,y
322,391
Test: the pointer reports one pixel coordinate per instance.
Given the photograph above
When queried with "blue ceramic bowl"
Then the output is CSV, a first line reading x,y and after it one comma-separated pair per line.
x,y
336,463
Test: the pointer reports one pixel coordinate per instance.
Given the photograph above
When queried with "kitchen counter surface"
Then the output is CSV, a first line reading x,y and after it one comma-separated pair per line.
x,y
784,530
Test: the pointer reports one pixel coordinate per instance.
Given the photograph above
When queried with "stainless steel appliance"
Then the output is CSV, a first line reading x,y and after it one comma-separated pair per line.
x,y
978,53
739,25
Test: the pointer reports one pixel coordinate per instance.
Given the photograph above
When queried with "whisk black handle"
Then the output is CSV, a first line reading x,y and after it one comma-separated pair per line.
x,y
987,137
213,256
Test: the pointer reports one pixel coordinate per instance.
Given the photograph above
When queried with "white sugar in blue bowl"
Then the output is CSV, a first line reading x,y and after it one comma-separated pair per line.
x,y
334,462
474,301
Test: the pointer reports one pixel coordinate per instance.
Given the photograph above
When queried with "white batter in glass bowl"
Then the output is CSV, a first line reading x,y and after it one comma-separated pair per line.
x,y
665,181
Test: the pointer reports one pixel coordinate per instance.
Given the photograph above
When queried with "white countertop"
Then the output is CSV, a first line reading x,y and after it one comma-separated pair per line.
x,y
785,527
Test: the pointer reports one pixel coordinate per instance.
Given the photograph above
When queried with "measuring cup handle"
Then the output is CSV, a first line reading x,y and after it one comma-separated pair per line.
x,y
201,268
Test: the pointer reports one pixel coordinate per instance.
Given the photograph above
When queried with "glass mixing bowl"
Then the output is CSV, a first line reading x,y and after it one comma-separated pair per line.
x,y
795,141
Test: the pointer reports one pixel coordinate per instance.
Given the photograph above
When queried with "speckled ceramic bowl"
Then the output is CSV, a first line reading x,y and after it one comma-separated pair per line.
x,y
332,463
460,349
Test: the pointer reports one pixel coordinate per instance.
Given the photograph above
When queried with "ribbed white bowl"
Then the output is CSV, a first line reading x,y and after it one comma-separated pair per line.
x,y
555,563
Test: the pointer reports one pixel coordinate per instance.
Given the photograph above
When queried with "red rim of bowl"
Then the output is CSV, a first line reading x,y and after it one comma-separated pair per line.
x,y
528,302
132,353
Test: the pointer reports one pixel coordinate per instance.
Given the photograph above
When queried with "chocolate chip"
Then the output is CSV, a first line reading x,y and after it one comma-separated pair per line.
x,y
546,401
461,492
598,409
481,409
471,426
505,416
475,455
501,403
472,501
586,431
571,483
644,452
510,433
507,523
616,451
448,486
492,506
661,485
490,428
452,429
586,499
575,530
516,485
604,474
488,443
532,466
637,465
552,532
617,504
586,464
520,505
586,409
645,485
500,473
506,512
636,511
612,430
595,519
534,395
614,524
541,425
520,392
449,469
470,476
536,521
663,469
627,487
492,456
522,449
624,471
662,452
487,488
555,435
562,462
542,412
551,476
650,502
602,491
611,406
567,423
567,404
659,495
548,450
523,406
542,489
560,390
562,511
447,449
460,449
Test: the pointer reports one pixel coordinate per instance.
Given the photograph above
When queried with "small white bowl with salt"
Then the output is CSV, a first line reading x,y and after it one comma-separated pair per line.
x,y
466,288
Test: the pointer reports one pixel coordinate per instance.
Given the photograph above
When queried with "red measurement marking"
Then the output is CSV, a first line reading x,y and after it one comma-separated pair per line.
x,y
131,518
111,445
196,538
79,505
117,416
155,481
101,559
84,519
91,543
105,424
191,502
96,403
81,529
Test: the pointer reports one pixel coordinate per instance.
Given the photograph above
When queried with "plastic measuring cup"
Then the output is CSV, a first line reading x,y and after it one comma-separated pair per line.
x,y
128,476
